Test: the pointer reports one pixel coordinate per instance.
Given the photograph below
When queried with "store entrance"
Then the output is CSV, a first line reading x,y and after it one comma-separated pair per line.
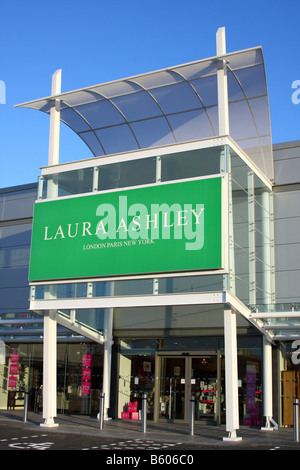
x,y
186,375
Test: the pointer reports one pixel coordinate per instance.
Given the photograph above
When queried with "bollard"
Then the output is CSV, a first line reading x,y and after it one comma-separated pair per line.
x,y
296,420
26,406
144,413
101,413
192,417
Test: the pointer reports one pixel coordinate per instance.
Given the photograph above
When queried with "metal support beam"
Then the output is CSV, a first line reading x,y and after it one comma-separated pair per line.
x,y
232,282
53,156
191,298
222,83
282,315
251,239
267,385
231,376
49,370
78,328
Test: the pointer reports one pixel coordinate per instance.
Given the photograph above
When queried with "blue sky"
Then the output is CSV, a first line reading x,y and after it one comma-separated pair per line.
x,y
99,41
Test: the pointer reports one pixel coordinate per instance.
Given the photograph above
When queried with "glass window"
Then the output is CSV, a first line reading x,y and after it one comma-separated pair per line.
x,y
250,378
133,287
14,256
126,174
79,377
191,284
67,291
191,164
93,318
67,183
137,376
59,291
17,204
251,231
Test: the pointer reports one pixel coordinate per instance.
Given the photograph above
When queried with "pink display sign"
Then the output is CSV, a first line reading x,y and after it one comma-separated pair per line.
x,y
86,374
86,388
87,360
12,381
252,417
14,357
13,369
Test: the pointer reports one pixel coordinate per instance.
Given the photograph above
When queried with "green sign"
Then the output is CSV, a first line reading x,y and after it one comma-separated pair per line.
x,y
162,228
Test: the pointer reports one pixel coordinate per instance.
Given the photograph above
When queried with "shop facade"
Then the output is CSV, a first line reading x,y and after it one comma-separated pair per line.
x,y
152,265
161,325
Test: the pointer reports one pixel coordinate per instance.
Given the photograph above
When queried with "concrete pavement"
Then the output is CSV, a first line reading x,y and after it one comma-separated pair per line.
x,y
114,432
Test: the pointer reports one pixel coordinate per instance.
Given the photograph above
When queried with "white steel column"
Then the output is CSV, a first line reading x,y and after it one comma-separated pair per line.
x,y
267,385
231,375
232,280
251,239
108,331
53,156
50,324
49,369
222,83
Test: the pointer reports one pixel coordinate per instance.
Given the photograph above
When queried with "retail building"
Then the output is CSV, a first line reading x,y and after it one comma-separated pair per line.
x,y
167,263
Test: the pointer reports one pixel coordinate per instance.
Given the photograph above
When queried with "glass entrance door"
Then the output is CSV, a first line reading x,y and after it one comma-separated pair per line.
x,y
172,388
182,377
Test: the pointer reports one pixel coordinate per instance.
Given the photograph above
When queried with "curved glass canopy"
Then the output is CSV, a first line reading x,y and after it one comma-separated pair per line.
x,y
174,105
